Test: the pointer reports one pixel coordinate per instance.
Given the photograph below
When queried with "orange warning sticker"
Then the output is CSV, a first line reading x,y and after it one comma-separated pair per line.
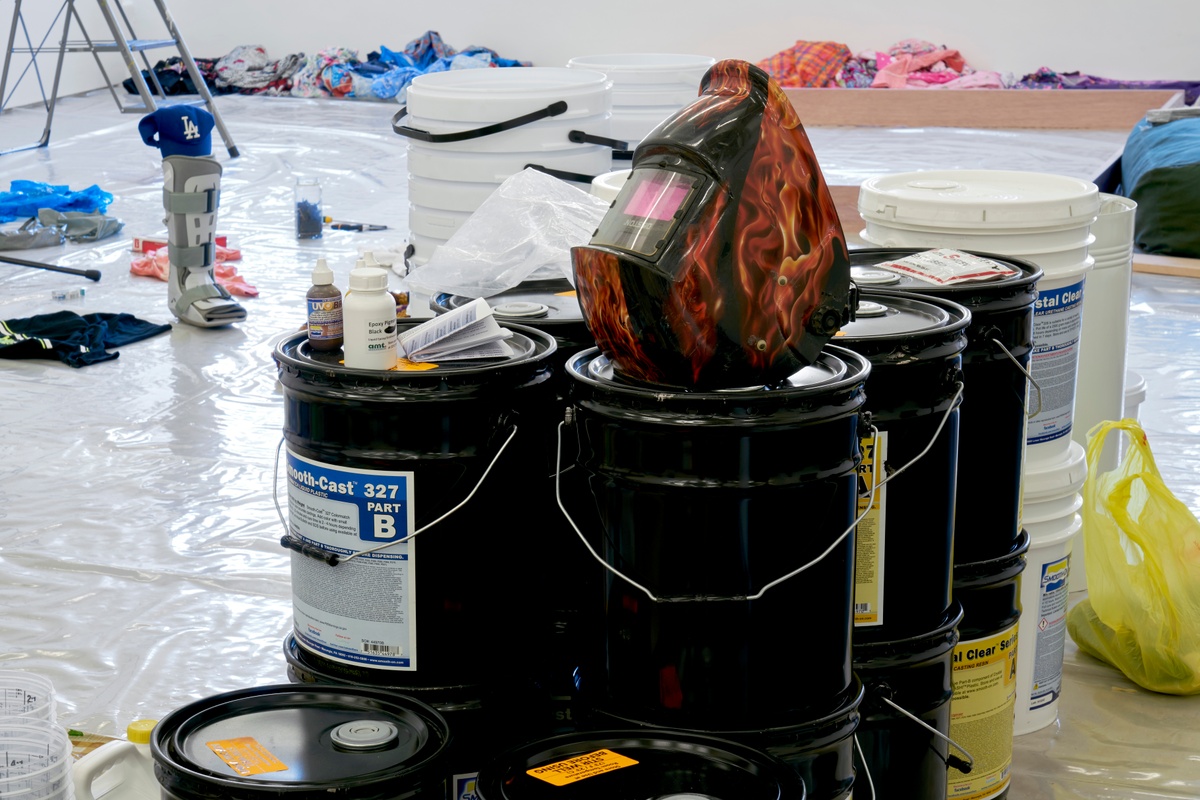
x,y
246,756
568,293
562,773
404,365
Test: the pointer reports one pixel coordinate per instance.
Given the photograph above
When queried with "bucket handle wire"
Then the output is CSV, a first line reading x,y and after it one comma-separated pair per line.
x,y
1028,374
875,484
963,766
552,110
333,559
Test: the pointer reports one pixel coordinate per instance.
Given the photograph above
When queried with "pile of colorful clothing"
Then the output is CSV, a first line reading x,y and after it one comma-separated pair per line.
x,y
918,64
337,72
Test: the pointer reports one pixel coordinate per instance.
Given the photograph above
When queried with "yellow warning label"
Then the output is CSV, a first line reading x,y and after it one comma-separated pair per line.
x,y
598,762
984,684
404,365
568,293
246,756
869,535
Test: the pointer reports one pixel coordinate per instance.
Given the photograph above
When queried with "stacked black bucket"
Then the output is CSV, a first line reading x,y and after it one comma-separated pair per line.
x,y
638,571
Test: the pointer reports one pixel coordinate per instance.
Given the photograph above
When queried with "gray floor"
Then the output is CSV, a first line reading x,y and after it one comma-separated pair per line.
x,y
138,532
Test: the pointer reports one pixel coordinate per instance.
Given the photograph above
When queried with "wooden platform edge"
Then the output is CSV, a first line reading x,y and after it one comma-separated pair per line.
x,y
1064,109
1166,265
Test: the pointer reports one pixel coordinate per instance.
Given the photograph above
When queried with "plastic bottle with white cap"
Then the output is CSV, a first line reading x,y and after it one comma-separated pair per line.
x,y
369,320
122,769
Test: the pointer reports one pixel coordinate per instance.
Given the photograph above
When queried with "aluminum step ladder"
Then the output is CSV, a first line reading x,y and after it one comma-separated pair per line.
x,y
125,42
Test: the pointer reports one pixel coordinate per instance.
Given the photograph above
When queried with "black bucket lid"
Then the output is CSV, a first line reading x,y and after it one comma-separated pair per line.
x,y
298,362
540,303
831,385
1020,288
303,743
895,315
644,764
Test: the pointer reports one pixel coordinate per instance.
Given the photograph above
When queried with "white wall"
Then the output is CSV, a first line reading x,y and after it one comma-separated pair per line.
x,y
1148,40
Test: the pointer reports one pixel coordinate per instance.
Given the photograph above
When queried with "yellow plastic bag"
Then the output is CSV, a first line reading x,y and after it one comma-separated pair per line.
x,y
1142,554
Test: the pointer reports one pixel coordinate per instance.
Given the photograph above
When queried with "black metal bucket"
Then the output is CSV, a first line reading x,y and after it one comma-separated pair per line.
x,y
281,741
612,765
373,457
906,760
705,505
985,671
905,542
992,418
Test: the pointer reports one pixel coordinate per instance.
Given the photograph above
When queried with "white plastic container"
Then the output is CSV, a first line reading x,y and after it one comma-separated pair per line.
x,y
37,759
1135,395
1100,394
26,694
608,185
1041,217
1050,514
1057,337
448,180
122,769
647,87
369,320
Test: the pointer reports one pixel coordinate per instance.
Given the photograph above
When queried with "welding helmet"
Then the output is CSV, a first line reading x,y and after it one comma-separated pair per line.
x,y
721,263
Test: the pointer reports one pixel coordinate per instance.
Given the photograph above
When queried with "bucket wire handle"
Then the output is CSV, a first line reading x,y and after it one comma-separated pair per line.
x,y
647,592
1028,374
333,559
951,760
863,760
933,439
552,110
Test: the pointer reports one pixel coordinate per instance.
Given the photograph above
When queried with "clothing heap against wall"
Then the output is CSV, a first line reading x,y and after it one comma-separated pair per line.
x,y
384,75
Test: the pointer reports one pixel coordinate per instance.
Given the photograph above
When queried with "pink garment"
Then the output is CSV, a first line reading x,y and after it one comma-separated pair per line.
x,y
897,73
156,264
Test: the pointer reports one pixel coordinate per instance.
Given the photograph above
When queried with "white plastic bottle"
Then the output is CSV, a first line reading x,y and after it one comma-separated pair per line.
x,y
122,769
369,320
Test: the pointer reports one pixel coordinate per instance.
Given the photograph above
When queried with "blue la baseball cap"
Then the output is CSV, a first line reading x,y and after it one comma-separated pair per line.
x,y
179,130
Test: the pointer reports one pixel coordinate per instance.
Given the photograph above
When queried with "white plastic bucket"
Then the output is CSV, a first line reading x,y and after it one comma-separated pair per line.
x,y
1135,395
1041,217
608,185
647,87
1057,330
37,764
1050,515
25,694
474,100
1100,393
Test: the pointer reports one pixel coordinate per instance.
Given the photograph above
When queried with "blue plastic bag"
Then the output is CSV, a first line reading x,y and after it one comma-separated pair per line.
x,y
26,198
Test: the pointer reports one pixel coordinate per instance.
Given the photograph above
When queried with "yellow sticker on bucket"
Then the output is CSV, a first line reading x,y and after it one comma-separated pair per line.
x,y
246,756
404,365
598,762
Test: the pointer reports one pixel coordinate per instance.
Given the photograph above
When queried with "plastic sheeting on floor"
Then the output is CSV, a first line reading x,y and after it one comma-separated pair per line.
x,y
139,537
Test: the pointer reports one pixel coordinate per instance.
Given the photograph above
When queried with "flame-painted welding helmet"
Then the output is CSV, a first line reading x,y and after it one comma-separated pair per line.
x,y
721,263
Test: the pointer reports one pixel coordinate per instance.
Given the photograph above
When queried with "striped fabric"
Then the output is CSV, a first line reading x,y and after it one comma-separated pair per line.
x,y
807,64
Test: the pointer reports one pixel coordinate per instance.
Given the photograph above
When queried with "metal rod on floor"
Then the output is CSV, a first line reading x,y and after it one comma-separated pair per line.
x,y
90,274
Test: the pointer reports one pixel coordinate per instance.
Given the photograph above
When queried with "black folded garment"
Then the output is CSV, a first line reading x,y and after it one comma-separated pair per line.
x,y
76,340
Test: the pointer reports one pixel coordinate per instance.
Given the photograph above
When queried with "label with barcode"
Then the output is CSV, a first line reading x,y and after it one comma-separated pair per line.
x,y
380,649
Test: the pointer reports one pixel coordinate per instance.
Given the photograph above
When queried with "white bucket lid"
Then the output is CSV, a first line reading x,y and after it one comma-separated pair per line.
x,y
1135,389
979,199
608,185
655,68
495,95
1058,478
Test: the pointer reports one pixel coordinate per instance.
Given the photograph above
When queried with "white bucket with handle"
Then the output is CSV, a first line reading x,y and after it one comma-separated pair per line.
x,y
471,129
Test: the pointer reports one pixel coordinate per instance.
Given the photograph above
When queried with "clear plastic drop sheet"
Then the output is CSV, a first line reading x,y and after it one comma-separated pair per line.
x,y
140,565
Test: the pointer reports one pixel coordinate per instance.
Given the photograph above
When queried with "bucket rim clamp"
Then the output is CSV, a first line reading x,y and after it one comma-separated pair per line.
x,y
552,110
290,542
